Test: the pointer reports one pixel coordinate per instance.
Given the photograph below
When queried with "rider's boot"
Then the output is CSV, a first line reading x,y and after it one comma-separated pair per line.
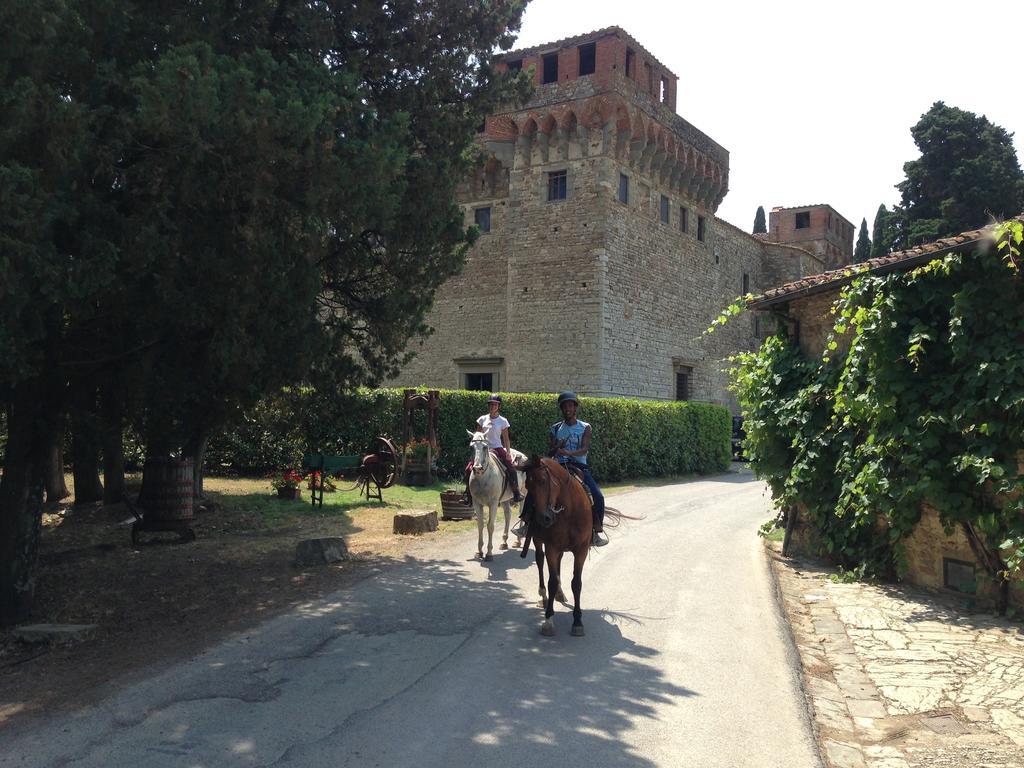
x,y
513,480
599,539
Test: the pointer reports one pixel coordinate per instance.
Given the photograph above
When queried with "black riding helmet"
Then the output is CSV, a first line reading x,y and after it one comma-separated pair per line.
x,y
494,399
567,397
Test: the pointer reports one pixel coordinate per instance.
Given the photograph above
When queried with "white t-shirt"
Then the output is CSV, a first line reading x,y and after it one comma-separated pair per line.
x,y
492,429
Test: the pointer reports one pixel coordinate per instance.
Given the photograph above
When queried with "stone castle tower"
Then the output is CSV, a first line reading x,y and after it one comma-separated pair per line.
x,y
600,262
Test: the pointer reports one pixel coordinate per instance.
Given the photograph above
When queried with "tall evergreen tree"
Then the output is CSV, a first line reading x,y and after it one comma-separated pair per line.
x,y
205,201
759,222
881,232
968,172
862,251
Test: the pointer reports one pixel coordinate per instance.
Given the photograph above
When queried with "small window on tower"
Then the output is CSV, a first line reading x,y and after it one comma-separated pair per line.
x,y
482,218
664,210
551,68
515,66
588,58
623,188
663,96
630,62
684,219
746,284
803,220
700,229
556,185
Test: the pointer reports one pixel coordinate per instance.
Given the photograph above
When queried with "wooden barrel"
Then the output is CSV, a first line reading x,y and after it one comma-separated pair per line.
x,y
169,487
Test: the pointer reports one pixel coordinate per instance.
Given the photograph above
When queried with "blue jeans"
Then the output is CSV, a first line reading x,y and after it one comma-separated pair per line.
x,y
595,492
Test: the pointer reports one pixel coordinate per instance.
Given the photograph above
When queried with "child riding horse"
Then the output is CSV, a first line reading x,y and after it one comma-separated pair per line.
x,y
561,521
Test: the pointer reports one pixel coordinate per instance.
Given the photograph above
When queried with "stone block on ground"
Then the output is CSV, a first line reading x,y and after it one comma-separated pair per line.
x,y
320,551
415,522
53,633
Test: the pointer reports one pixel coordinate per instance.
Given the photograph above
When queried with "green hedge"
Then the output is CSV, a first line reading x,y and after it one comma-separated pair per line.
x,y
631,438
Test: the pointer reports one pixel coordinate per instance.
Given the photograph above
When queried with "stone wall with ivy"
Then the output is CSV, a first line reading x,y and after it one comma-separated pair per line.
x,y
916,396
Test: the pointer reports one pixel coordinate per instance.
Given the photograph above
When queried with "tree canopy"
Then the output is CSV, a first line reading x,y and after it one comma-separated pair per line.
x,y
862,251
759,222
202,202
968,173
881,232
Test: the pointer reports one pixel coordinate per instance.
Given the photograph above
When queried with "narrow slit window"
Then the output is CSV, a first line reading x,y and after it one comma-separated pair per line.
x,y
745,284
701,233
623,188
630,62
683,375
588,58
663,96
684,220
664,210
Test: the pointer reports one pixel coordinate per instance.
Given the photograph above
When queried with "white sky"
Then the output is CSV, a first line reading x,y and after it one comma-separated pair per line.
x,y
815,100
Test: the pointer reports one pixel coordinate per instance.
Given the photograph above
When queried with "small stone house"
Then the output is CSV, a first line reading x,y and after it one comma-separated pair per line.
x,y
934,558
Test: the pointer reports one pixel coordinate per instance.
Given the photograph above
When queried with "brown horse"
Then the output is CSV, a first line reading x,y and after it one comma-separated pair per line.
x,y
561,521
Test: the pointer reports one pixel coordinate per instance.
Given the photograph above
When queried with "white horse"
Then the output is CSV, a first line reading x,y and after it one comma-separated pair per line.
x,y
487,487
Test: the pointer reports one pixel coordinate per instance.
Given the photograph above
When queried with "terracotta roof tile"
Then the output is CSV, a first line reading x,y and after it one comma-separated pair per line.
x,y
891,262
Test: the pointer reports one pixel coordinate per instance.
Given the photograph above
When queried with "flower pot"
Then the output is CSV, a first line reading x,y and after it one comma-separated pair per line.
x,y
289,493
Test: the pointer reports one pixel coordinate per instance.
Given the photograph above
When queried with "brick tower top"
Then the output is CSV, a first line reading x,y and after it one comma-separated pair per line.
x,y
607,54
818,228
607,94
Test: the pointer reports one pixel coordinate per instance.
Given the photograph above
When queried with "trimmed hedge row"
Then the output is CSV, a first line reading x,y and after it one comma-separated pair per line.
x,y
631,438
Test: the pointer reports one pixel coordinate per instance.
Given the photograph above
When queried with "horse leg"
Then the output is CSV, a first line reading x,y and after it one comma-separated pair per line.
x,y
548,627
492,510
478,509
577,587
508,522
561,595
540,573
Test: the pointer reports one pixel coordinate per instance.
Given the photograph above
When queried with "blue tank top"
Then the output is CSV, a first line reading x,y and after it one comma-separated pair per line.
x,y
573,436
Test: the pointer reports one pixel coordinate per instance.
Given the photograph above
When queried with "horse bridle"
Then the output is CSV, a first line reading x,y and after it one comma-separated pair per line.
x,y
552,512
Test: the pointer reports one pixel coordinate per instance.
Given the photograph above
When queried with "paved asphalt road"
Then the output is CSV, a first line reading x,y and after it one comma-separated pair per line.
x,y
439,663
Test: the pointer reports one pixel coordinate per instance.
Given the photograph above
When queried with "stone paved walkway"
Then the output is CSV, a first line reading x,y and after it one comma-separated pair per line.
x,y
900,677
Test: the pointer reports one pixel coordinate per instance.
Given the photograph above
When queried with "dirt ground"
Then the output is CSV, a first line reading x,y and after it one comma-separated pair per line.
x,y
164,601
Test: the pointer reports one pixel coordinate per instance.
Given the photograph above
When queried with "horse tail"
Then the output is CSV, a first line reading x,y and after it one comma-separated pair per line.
x,y
614,516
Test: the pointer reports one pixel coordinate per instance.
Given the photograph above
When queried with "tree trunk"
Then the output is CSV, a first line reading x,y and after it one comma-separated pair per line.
x,y
196,450
113,446
56,488
86,456
21,500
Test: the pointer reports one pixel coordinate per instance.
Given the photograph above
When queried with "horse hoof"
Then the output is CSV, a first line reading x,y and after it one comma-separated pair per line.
x,y
548,628
503,545
577,630
561,597
488,558
479,555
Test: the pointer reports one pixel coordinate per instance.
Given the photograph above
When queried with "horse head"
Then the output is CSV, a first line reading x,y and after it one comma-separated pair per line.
x,y
478,444
544,484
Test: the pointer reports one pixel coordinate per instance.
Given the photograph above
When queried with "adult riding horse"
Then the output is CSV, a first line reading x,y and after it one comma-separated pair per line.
x,y
561,521
488,488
